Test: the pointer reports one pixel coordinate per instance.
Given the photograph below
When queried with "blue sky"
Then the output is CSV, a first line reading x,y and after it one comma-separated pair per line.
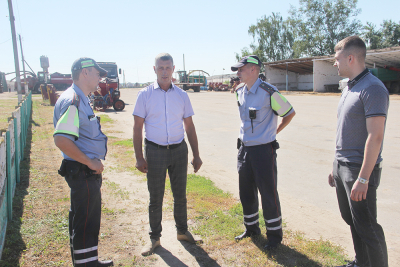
x,y
132,33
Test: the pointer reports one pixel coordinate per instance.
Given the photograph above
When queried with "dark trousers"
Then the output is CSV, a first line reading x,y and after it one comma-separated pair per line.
x,y
258,172
368,237
84,219
159,160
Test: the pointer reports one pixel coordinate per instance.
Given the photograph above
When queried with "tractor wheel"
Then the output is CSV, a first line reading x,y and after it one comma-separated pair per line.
x,y
196,88
119,105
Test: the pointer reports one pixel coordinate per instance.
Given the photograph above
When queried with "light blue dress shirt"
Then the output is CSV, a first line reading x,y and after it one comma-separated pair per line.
x,y
163,113
92,142
266,122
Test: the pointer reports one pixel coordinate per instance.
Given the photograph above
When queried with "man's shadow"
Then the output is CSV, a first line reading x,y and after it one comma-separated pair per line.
x,y
284,255
196,251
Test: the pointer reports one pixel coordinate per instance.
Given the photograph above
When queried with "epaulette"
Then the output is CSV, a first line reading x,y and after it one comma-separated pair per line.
x,y
240,85
75,100
267,88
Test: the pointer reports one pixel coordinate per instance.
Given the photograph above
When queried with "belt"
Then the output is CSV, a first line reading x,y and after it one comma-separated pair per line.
x,y
147,142
274,143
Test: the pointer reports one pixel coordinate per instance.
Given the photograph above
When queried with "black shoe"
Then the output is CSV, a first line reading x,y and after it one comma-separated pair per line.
x,y
271,245
350,264
105,263
244,235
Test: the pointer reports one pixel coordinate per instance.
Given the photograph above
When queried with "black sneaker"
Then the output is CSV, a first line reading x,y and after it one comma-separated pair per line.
x,y
350,264
105,263
271,245
244,235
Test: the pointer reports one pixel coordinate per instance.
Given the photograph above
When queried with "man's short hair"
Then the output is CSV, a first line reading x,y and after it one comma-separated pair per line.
x,y
76,73
352,45
164,57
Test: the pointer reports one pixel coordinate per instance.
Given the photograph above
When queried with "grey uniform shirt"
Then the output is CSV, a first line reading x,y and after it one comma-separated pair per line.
x,y
365,96
92,142
265,124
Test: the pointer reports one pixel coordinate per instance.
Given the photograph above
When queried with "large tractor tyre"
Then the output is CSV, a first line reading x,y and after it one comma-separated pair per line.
x,y
119,105
184,87
196,88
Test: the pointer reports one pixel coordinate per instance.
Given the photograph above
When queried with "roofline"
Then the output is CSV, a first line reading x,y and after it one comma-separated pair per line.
x,y
317,58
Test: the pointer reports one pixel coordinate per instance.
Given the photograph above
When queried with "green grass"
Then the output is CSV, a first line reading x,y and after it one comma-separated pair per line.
x,y
219,218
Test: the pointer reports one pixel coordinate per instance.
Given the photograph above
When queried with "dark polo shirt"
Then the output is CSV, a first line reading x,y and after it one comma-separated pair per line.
x,y
365,96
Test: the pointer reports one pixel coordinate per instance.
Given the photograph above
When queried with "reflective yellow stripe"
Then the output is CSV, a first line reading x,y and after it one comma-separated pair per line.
x,y
69,122
252,60
280,104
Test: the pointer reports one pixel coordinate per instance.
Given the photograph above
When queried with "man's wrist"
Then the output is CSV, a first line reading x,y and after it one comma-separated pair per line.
x,y
362,180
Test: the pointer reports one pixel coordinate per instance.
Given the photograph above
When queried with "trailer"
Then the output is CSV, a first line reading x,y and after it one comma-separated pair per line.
x,y
195,79
390,77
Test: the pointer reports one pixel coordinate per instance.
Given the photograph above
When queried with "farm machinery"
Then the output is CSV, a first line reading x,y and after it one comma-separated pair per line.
x,y
108,94
195,79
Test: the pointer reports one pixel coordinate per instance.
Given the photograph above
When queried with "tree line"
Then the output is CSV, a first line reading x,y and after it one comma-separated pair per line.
x,y
313,29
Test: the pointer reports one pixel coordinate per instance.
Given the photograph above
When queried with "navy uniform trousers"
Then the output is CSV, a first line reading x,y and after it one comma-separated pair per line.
x,y
84,218
258,172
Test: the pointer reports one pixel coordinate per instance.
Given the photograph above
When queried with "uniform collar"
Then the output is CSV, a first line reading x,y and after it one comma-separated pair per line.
x,y
255,86
156,86
80,93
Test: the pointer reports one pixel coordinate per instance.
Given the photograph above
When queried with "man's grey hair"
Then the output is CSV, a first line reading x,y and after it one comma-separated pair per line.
x,y
164,57
76,73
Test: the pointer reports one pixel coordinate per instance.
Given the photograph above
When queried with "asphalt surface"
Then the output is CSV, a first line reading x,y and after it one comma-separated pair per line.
x,y
304,161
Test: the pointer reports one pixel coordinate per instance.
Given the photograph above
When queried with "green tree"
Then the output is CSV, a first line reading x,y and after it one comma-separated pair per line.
x,y
371,36
273,38
390,33
319,24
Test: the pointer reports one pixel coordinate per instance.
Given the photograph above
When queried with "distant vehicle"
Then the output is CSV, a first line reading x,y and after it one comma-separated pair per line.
x,y
108,93
193,80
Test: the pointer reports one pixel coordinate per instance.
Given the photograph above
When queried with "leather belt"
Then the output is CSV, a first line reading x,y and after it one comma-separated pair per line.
x,y
147,142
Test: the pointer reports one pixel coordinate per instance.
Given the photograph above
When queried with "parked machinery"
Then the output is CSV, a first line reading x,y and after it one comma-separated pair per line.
x,y
195,79
108,93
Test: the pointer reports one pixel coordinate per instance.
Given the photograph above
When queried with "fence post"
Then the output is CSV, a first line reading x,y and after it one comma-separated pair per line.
x,y
9,179
17,144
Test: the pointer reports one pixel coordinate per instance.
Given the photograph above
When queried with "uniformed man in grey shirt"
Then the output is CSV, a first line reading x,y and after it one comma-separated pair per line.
x,y
356,174
83,145
260,105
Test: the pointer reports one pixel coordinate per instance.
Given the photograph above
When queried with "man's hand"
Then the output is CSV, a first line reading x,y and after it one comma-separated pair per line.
x,y
141,165
196,162
96,165
359,191
331,180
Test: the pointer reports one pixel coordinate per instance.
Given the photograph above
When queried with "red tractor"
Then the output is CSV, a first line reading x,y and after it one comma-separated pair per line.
x,y
108,92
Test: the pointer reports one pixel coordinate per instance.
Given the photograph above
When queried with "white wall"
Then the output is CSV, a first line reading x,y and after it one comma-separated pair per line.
x,y
324,73
296,81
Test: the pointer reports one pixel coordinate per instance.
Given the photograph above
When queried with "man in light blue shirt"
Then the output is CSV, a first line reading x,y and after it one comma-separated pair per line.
x,y
166,113
260,104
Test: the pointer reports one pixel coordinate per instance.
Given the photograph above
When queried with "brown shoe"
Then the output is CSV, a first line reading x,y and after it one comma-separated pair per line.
x,y
150,246
189,238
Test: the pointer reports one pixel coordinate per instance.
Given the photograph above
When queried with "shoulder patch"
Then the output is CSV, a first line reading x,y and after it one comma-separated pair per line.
x,y
75,100
267,88
239,86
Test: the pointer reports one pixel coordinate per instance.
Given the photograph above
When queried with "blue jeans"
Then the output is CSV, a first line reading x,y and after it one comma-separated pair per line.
x,y
368,237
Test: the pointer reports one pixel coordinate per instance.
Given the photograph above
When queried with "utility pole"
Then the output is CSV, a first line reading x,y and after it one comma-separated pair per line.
x,y
14,39
23,65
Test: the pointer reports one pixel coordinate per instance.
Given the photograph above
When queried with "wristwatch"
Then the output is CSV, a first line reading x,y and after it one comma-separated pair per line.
x,y
362,180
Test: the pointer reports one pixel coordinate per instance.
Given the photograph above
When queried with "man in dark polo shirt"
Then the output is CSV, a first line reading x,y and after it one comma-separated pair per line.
x,y
356,174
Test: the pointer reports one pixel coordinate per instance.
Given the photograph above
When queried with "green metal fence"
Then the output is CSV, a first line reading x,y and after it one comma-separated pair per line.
x,y
12,144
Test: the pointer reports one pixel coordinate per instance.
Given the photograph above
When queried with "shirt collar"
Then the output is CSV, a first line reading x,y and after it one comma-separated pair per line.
x,y
80,93
253,89
156,86
352,83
